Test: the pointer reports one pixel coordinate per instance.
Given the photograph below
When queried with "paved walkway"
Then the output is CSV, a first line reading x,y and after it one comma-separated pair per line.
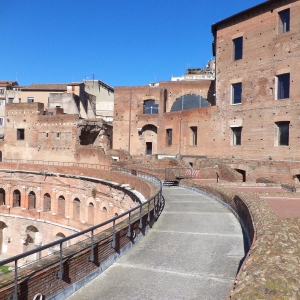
x,y
192,252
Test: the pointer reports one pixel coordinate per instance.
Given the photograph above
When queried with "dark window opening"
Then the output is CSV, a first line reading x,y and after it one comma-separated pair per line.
x,y
20,134
169,137
189,101
194,130
243,172
284,21
283,86
283,133
148,148
150,107
238,48
236,93
236,136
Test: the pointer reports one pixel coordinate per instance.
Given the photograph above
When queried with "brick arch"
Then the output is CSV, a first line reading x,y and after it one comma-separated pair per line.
x,y
3,197
61,205
77,207
52,196
105,204
90,210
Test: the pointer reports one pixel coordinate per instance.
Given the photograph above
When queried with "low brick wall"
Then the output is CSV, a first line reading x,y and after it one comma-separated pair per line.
x,y
271,266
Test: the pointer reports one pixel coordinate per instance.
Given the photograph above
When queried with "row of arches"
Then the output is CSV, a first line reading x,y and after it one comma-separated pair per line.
x,y
76,209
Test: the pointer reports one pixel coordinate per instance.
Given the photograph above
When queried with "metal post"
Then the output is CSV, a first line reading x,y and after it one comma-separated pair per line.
x,y
141,223
91,257
59,274
113,243
129,227
154,208
15,295
148,218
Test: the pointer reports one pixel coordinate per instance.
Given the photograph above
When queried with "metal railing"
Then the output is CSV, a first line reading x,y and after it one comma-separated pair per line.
x,y
153,203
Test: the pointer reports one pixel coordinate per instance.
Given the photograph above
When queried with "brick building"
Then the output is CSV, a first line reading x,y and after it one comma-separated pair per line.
x,y
162,118
34,134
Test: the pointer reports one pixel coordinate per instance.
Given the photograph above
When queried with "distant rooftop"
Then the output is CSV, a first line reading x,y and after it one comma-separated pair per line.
x,y
46,87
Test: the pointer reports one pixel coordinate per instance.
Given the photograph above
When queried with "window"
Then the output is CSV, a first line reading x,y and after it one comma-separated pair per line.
x,y
58,135
2,102
20,134
236,93
10,100
169,137
1,91
236,136
1,121
284,21
194,135
150,107
238,48
30,99
283,86
283,132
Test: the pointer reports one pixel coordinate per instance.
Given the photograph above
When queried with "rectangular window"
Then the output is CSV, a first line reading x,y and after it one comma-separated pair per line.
x,y
2,102
10,100
284,21
283,86
1,121
236,136
237,48
236,92
283,133
20,134
169,137
148,148
1,91
57,135
30,99
194,135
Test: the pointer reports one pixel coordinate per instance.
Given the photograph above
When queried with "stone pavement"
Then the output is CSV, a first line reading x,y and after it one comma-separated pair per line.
x,y
193,251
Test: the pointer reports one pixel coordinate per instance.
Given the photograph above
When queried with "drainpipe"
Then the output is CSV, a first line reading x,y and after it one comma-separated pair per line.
x,y
129,130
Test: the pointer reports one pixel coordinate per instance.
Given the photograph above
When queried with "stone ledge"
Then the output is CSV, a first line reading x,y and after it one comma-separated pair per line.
x,y
271,266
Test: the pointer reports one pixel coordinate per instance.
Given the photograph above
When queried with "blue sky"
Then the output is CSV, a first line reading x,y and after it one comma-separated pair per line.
x,y
128,42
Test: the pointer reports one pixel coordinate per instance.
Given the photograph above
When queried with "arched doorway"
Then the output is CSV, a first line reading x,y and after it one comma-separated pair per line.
x,y
2,229
148,135
31,200
61,205
32,242
16,198
58,237
76,209
2,196
91,213
243,173
47,202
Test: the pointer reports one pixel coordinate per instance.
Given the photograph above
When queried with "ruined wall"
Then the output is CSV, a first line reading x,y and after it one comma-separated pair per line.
x,y
51,137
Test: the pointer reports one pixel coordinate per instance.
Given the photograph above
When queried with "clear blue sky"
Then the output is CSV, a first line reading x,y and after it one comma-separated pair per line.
x,y
123,42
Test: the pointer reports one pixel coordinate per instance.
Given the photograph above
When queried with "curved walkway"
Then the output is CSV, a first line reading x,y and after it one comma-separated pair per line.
x,y
192,252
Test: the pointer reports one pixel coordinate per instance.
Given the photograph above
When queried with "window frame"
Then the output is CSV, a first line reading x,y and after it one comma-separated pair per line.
x,y
194,137
281,91
20,134
284,21
1,91
236,135
30,99
233,87
169,136
2,120
238,48
2,103
280,139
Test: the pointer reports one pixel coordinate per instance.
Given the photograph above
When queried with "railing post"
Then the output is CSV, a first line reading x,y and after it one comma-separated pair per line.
x,y
15,295
91,257
129,227
148,218
59,274
141,223
154,208
113,243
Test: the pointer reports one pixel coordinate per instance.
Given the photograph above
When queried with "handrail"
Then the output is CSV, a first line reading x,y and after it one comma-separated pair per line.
x,y
59,275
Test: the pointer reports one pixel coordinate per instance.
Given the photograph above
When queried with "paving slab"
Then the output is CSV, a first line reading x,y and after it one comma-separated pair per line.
x,y
193,251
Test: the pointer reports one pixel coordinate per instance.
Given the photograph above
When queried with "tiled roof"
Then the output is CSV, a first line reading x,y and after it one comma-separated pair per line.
x,y
46,87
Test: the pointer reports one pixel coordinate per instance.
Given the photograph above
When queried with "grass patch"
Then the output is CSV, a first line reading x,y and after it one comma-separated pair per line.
x,y
4,269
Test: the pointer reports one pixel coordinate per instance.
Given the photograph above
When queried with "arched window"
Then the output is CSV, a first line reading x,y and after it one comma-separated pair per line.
x,y
189,101
76,209
16,198
91,213
31,200
150,107
2,196
47,202
58,237
61,205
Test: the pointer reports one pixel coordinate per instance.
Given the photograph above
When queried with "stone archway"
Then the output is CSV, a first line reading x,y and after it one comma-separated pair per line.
x,y
31,242
2,230
31,200
16,198
47,202
76,209
2,196
148,135
61,205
